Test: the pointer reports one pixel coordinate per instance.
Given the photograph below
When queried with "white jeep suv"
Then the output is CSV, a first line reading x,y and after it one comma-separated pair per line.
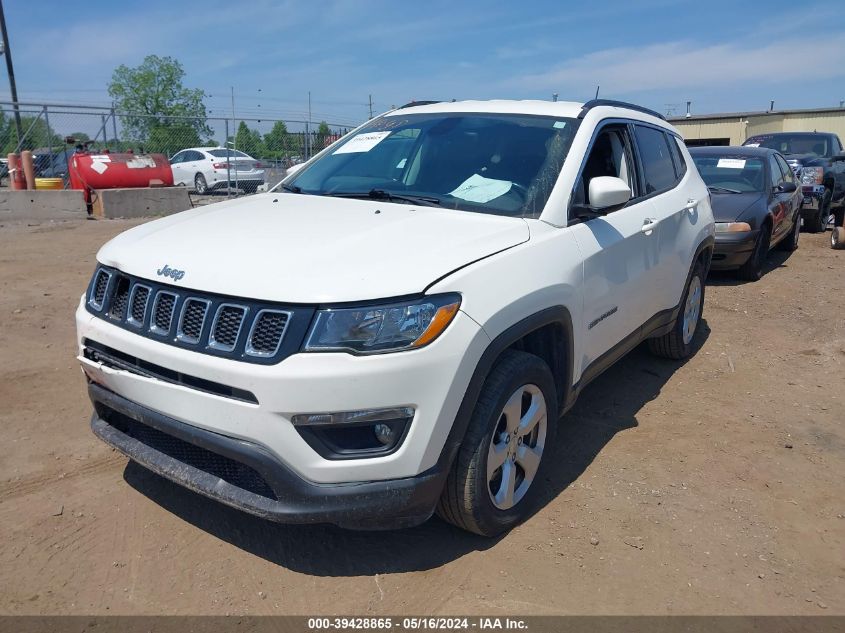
x,y
399,326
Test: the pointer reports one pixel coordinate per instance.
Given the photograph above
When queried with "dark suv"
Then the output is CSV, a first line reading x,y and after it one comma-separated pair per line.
x,y
818,160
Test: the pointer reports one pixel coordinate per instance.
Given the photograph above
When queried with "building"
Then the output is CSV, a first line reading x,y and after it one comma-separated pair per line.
x,y
734,128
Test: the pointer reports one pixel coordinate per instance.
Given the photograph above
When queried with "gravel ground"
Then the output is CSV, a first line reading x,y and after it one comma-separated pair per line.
x,y
712,486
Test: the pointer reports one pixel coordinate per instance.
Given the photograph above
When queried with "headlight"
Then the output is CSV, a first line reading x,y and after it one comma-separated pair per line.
x,y
812,175
732,227
387,328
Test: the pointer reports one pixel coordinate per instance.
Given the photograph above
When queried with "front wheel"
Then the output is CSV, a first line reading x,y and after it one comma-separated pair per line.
x,y
677,343
492,485
818,222
752,270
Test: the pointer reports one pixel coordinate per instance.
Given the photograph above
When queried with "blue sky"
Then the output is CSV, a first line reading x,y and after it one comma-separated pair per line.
x,y
723,56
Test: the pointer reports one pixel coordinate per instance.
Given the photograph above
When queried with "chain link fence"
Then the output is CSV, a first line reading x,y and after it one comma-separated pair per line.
x,y
54,131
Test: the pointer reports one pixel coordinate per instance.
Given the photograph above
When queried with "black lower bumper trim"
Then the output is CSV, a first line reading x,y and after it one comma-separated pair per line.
x,y
733,250
246,476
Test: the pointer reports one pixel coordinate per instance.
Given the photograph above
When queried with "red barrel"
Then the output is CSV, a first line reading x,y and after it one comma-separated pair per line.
x,y
119,170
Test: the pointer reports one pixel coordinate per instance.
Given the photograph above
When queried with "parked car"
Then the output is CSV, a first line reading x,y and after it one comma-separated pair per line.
x,y
398,327
52,165
756,203
818,160
208,168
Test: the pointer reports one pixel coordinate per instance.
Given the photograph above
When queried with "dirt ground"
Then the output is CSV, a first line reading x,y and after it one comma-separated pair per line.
x,y
713,486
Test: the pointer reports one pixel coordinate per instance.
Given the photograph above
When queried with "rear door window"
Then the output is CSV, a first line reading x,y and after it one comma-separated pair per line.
x,y
677,156
658,168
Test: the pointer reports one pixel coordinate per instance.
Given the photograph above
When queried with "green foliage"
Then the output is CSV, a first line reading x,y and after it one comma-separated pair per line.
x,y
276,140
169,139
249,141
39,134
154,89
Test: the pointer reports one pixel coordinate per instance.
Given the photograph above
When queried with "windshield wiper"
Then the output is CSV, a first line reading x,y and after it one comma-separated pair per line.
x,y
723,189
381,194
292,188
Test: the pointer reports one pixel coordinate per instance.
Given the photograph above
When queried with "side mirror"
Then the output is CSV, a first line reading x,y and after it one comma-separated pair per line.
x,y
608,193
786,187
839,156
293,169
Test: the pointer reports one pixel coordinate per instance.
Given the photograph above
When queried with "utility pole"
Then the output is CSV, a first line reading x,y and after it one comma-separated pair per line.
x,y
308,130
11,70
371,106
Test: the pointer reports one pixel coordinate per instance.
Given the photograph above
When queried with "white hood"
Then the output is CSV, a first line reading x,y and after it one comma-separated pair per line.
x,y
311,249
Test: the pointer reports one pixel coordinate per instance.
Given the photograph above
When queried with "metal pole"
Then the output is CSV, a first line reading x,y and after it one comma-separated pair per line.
x,y
11,70
308,128
28,130
114,127
228,164
234,134
371,106
49,135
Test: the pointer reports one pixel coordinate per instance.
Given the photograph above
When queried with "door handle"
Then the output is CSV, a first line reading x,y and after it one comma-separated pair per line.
x,y
649,225
691,205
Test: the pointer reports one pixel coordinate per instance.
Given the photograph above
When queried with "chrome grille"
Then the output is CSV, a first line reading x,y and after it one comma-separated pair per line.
x,y
227,327
98,292
266,334
193,318
138,305
247,330
162,317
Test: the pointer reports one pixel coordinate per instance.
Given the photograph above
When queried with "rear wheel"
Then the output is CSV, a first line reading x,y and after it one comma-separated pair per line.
x,y
837,238
492,485
677,343
200,185
752,270
790,242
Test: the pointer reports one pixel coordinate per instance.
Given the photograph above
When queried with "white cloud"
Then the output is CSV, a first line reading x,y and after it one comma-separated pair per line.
x,y
685,64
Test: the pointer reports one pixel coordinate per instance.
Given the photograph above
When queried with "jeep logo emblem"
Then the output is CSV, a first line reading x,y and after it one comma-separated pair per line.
x,y
167,271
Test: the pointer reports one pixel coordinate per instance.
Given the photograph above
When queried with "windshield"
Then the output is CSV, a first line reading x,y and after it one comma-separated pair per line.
x,y
504,164
222,153
731,174
793,143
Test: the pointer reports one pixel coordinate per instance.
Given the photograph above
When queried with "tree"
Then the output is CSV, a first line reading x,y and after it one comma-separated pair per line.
x,y
277,140
37,134
150,94
169,139
248,140
323,133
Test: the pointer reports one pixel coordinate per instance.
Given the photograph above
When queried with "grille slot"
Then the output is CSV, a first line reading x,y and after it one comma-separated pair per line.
x,y
138,300
192,320
98,290
227,326
120,299
162,317
267,332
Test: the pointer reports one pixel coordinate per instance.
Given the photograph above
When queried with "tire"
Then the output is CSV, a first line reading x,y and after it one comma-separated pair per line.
x,y
837,238
818,223
200,185
752,270
677,343
790,242
839,216
478,501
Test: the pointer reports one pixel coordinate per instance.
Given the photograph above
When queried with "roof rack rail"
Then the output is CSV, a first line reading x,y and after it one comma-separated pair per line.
x,y
412,104
594,103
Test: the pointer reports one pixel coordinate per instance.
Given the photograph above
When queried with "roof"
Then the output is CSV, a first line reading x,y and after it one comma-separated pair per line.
x,y
563,109
736,115
569,109
731,150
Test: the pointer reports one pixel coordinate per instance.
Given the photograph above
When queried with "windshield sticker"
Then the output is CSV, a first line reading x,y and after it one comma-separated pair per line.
x,y
731,163
480,189
560,124
752,144
362,143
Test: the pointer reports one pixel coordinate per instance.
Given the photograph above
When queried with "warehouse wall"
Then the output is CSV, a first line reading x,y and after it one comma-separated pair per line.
x,y
737,128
